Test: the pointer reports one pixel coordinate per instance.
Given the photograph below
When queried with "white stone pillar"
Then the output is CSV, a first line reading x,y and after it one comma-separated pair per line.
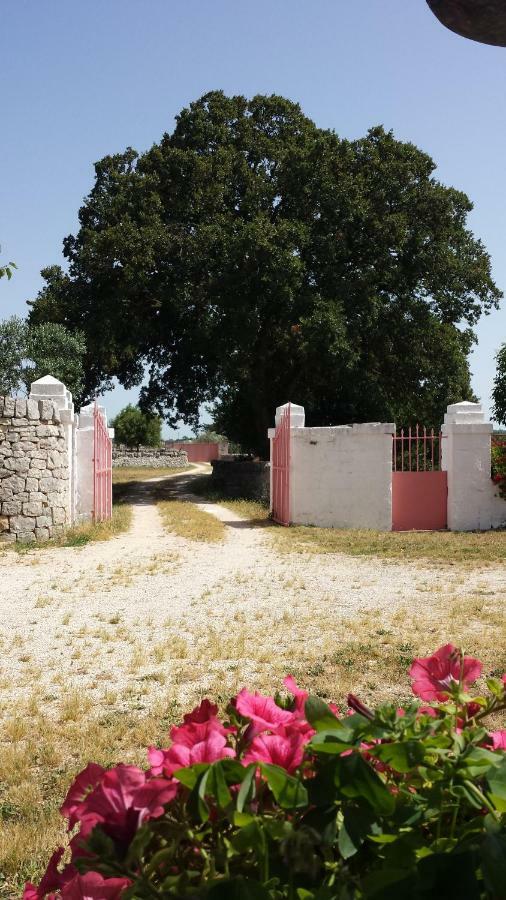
x,y
49,388
466,458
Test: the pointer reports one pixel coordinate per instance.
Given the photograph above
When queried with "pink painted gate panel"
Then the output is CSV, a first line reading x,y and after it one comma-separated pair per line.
x,y
419,501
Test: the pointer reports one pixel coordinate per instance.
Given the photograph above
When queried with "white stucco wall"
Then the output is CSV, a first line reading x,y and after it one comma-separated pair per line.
x,y
341,477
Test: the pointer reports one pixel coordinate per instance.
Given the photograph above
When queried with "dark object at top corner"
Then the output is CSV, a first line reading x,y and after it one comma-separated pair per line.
x,y
479,20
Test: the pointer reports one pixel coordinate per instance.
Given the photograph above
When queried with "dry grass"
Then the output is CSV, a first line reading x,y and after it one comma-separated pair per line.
x,y
188,521
79,535
143,473
445,547
448,547
41,751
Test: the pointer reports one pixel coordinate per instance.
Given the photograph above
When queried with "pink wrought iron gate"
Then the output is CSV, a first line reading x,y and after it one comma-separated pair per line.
x,y
419,487
102,469
281,470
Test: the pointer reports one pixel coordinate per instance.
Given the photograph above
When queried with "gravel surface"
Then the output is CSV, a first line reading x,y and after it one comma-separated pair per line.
x,y
129,614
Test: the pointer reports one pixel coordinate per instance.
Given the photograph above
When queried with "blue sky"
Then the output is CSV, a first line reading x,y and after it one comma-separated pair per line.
x,y
80,80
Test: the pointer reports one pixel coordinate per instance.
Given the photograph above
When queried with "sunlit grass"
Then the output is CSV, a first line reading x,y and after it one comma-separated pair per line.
x,y
143,473
85,533
445,547
189,521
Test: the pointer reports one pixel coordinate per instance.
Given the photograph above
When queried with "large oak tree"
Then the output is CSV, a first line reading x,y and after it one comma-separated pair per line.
x,y
252,258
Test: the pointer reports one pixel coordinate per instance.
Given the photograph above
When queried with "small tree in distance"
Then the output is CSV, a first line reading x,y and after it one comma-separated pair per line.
x,y
136,428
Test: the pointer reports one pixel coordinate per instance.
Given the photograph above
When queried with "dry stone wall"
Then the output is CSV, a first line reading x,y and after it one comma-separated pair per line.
x,y
148,457
34,470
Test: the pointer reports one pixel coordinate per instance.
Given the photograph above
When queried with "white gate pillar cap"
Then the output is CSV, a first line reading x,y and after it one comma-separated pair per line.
x,y
465,413
48,387
297,415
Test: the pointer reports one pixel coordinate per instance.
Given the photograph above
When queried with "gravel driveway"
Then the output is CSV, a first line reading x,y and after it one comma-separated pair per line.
x,y
122,617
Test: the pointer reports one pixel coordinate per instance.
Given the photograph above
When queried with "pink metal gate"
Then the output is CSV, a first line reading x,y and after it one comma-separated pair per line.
x,y
281,470
102,469
419,487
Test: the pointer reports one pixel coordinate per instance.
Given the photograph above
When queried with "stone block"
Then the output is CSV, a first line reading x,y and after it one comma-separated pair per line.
x,y
11,507
44,521
20,408
32,508
5,473
39,464
55,498
37,495
15,483
42,534
6,537
47,485
21,524
9,406
32,483
26,537
13,436
32,409
27,446
5,494
62,474
4,523
46,410
20,422
21,464
59,516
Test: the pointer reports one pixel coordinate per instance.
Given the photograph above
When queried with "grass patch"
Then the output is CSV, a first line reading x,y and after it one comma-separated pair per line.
x,y
254,510
446,547
183,518
143,473
85,533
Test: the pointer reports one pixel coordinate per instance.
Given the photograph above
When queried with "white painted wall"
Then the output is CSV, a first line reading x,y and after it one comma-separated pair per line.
x,y
340,477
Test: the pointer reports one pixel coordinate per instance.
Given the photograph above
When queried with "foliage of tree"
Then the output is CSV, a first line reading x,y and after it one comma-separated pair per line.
x,y
6,269
135,427
499,389
252,258
28,352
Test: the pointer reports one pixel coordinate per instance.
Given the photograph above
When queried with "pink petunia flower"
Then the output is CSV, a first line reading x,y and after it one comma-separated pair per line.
x,y
498,740
52,880
85,782
93,886
285,751
433,676
264,713
179,756
299,694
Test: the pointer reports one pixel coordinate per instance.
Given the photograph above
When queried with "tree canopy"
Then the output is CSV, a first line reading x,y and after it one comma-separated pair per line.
x,y
28,352
135,428
250,258
499,389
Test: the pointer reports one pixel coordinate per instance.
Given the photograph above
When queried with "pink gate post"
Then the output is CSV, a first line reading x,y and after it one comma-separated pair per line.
x,y
281,470
102,469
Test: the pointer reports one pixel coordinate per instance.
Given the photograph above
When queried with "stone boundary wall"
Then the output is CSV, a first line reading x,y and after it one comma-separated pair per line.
x,y
34,470
148,457
244,479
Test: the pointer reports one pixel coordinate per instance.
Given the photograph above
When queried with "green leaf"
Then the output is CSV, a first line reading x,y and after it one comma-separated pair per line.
x,y
189,776
247,789
477,762
289,792
319,715
354,830
356,778
238,889
329,742
401,756
496,778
